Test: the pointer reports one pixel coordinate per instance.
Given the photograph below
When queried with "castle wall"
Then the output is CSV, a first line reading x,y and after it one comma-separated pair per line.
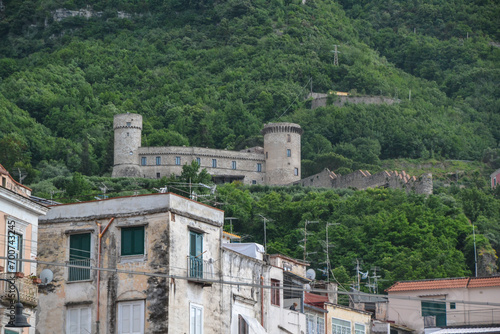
x,y
320,100
172,158
320,180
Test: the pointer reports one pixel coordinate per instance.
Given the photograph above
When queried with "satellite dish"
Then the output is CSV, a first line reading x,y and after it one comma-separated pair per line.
x,y
307,287
311,274
46,276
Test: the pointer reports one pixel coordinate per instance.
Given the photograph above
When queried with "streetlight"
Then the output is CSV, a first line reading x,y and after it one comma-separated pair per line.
x,y
19,320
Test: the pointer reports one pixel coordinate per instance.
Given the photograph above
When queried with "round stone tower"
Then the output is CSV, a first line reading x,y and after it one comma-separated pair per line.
x,y
282,152
128,128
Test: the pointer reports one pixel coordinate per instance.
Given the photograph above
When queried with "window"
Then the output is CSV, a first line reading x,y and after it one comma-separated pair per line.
x,y
296,171
8,331
128,124
131,317
78,320
198,160
288,152
453,306
15,252
233,164
132,242
437,309
177,160
259,167
267,156
494,181
158,161
214,163
242,325
340,326
254,181
128,134
320,325
310,324
79,254
195,254
196,319
288,138
359,329
158,176
143,161
275,293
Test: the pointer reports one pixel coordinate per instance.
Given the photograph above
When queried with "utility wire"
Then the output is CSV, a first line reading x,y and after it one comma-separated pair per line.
x,y
253,285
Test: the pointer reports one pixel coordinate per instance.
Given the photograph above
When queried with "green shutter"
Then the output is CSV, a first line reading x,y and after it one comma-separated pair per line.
x,y
79,254
132,242
435,308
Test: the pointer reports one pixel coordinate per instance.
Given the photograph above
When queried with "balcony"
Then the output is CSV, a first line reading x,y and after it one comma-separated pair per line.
x,y
483,317
79,273
200,270
28,291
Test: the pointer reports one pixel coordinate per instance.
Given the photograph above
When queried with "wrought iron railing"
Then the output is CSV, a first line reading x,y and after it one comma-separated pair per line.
x,y
28,291
78,273
198,268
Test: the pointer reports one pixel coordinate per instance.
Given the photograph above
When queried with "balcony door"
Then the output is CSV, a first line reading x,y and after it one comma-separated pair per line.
x,y
195,254
79,254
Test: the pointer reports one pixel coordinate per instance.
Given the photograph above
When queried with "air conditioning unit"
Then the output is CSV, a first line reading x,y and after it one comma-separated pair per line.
x,y
430,321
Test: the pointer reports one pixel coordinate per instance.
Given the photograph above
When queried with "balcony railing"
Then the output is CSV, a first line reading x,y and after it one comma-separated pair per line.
x,y
200,269
28,291
466,318
79,274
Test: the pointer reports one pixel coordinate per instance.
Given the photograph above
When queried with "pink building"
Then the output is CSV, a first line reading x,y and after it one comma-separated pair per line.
x,y
495,178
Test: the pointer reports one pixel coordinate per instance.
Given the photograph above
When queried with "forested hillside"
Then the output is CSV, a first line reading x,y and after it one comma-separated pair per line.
x,y
211,73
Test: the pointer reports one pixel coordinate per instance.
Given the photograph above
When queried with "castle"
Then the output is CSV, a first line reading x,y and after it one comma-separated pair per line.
x,y
277,163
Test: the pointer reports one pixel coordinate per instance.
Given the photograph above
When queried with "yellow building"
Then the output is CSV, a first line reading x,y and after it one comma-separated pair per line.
x,y
345,320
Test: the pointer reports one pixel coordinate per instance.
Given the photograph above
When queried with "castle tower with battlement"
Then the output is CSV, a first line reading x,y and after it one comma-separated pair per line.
x,y
282,151
277,163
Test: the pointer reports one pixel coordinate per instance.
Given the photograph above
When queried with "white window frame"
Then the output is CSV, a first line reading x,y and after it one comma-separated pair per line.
x,y
192,327
131,303
80,329
341,328
311,323
320,324
358,331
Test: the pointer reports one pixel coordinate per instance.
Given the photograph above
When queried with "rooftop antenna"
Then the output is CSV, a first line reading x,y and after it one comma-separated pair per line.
x,y
327,245
265,233
305,236
230,222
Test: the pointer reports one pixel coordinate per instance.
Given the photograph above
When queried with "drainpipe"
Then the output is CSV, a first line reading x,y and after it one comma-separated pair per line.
x,y
262,301
99,271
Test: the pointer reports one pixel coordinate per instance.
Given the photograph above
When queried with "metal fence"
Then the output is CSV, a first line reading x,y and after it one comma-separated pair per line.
x,y
79,274
198,268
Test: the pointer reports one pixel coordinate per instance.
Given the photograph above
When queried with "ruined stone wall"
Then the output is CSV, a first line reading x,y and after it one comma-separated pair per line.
x,y
320,100
363,180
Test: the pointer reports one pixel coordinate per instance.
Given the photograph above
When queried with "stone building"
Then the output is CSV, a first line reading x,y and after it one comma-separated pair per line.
x,y
19,237
163,252
277,163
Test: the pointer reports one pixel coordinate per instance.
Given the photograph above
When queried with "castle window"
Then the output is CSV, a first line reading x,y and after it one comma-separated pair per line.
x,y
288,138
267,156
254,182
158,161
128,134
128,124
177,160
214,163
198,160
158,176
259,167
296,172
143,161
288,152
233,164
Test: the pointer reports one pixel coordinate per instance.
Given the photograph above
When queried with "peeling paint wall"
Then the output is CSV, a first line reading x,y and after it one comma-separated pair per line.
x,y
167,220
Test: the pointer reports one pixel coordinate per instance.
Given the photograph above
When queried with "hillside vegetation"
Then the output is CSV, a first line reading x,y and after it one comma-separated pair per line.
x,y
211,73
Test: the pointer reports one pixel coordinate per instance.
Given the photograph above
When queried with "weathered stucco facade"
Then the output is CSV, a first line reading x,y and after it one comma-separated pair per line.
x,y
139,283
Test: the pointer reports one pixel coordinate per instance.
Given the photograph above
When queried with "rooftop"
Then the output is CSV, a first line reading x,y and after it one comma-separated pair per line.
x,y
445,283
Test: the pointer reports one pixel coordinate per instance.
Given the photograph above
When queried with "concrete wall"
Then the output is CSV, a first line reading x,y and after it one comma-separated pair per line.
x,y
345,313
167,220
409,312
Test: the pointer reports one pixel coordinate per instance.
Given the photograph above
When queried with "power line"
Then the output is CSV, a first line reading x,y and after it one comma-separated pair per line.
x,y
253,285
